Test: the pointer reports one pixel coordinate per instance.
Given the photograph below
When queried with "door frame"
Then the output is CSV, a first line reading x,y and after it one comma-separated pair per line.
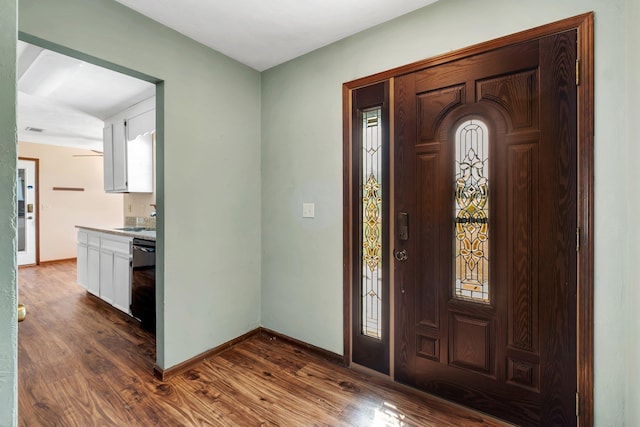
x,y
158,169
36,208
585,175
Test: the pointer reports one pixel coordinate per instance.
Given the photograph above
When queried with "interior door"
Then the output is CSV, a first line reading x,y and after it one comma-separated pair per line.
x,y
26,201
485,281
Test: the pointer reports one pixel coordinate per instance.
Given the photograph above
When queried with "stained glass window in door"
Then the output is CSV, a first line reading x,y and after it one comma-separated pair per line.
x,y
472,212
371,289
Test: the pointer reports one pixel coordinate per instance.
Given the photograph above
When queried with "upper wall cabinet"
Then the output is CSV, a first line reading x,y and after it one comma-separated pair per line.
x,y
128,149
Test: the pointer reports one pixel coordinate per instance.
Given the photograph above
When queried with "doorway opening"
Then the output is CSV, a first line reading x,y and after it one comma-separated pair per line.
x,y
44,91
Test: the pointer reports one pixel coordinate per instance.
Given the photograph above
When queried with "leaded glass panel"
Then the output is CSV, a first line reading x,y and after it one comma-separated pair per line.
x,y
472,212
371,293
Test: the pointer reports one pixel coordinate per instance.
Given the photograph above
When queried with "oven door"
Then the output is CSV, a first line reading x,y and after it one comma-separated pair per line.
x,y
143,283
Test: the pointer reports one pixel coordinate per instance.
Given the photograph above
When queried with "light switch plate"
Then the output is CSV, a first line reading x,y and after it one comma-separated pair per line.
x,y
308,210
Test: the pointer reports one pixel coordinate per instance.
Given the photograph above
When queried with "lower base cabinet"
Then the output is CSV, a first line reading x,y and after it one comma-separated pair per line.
x,y
82,261
104,262
106,276
122,282
93,270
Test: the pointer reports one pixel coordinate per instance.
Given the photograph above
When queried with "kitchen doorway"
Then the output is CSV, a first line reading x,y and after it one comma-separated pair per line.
x,y
56,81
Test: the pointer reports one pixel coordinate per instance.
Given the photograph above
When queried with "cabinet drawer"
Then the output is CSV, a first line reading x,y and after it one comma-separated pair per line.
x,y
116,245
93,239
83,237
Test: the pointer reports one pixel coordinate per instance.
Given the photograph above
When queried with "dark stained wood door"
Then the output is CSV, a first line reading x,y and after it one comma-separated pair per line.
x,y
485,169
371,350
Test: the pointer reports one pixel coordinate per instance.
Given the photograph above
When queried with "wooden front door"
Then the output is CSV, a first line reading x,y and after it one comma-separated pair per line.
x,y
485,270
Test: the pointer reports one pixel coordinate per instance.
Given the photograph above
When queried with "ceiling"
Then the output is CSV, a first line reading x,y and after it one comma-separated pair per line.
x,y
68,100
64,101
263,34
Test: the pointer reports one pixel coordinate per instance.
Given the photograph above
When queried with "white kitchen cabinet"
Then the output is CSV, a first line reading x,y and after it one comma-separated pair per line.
x,y
122,282
93,263
128,149
106,275
115,158
81,264
106,270
141,124
107,156
115,256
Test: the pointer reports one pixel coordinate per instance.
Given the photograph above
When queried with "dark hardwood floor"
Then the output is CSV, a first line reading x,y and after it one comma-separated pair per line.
x,y
83,363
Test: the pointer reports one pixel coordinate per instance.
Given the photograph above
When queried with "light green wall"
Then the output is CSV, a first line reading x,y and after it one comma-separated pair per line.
x,y
633,252
208,167
8,157
302,161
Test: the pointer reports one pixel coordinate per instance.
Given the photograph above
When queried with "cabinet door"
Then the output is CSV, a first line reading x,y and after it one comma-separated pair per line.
x,y
93,270
119,157
121,282
106,276
81,266
140,164
107,140
141,124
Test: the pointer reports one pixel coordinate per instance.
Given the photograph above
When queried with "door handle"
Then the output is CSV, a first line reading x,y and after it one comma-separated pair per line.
x,y
402,222
401,255
22,312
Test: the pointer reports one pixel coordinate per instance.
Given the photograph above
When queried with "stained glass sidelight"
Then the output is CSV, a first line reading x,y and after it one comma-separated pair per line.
x,y
472,212
371,289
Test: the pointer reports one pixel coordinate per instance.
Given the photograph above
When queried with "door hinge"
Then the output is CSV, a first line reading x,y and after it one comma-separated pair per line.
x,y
577,404
578,239
577,72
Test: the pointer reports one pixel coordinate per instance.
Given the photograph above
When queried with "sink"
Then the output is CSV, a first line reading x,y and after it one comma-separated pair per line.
x,y
132,229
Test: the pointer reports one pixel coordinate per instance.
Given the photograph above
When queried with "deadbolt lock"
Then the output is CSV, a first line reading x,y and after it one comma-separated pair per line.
x,y
401,255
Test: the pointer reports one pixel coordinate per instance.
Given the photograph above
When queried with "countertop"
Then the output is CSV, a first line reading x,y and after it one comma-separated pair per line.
x,y
146,234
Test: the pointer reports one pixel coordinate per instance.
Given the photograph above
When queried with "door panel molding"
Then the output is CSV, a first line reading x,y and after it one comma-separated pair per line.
x,y
520,370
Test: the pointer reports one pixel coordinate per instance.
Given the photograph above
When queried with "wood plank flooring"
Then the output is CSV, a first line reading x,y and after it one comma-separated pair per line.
x,y
83,363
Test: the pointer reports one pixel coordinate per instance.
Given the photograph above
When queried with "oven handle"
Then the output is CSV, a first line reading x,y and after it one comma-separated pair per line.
x,y
143,249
